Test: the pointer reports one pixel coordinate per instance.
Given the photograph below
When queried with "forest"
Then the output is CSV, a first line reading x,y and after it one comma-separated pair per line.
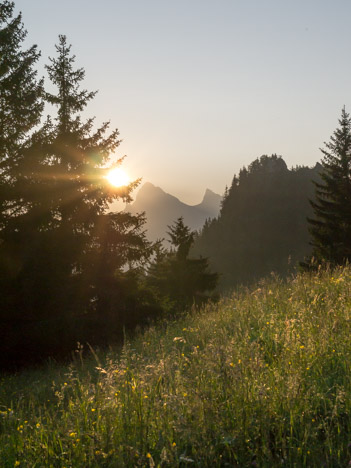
x,y
73,271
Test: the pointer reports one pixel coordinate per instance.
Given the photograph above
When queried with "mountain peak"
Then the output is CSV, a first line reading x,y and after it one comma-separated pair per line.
x,y
162,209
211,201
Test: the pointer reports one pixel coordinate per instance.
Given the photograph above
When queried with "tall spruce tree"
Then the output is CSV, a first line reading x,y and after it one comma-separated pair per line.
x,y
331,227
79,194
21,105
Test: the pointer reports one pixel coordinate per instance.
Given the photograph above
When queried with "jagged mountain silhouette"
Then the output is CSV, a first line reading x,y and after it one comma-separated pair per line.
x,y
162,209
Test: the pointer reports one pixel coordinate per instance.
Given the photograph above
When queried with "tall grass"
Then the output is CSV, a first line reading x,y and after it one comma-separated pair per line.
x,y
260,379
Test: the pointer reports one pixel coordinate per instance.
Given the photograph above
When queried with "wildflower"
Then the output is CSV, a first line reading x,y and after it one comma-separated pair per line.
x,y
92,409
65,384
231,364
302,347
185,394
97,452
145,396
72,434
179,338
148,455
174,444
37,425
239,361
17,463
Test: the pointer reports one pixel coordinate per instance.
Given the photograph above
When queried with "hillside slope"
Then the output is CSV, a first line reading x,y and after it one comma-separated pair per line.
x,y
260,379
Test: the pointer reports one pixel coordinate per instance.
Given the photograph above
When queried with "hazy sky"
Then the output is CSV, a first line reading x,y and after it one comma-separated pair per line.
x,y
199,88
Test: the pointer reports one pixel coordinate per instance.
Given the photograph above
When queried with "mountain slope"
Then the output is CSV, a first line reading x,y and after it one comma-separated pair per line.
x,y
263,225
162,209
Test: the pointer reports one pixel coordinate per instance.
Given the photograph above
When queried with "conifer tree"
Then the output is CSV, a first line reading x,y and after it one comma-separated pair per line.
x,y
79,193
179,280
63,227
21,106
331,227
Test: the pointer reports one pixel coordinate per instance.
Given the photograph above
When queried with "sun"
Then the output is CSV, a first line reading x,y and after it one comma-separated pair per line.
x,y
117,177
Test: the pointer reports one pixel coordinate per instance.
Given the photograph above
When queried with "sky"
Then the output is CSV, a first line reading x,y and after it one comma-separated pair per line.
x,y
200,88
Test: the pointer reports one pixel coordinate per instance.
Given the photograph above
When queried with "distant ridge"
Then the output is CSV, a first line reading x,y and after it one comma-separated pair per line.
x,y
162,209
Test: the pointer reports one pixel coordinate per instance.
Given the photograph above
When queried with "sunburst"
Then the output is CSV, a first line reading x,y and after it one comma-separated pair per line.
x,y
117,177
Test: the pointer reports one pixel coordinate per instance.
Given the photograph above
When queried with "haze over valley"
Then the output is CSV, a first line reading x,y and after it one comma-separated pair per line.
x,y
162,209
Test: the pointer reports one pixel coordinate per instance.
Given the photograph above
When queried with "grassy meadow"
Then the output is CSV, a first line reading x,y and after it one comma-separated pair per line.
x,y
260,379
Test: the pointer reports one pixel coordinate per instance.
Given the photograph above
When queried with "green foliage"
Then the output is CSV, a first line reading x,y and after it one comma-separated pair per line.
x,y
260,379
262,225
331,227
179,280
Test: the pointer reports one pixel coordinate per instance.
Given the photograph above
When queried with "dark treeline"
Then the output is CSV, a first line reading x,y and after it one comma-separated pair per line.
x,y
274,219
70,270
262,226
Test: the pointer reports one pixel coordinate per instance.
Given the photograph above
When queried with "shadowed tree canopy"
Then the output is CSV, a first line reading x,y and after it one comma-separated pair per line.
x,y
61,178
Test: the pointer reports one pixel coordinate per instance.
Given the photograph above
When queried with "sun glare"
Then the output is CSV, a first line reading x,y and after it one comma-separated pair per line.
x,y
117,177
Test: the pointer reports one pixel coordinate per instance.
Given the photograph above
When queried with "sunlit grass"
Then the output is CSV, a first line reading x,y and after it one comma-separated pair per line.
x,y
260,379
